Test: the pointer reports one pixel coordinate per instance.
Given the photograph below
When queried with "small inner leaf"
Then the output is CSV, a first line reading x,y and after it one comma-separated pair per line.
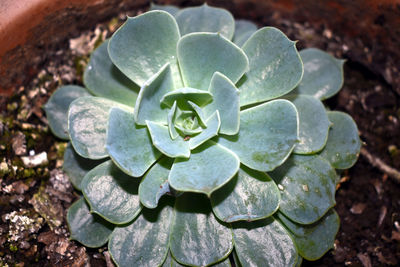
x,y
199,113
163,142
171,122
205,19
182,95
213,123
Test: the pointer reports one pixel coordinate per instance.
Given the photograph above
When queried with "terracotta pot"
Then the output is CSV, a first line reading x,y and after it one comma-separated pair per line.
x,y
28,28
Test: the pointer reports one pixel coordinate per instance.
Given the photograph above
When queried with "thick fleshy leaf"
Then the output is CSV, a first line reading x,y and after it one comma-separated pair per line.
x,y
275,66
104,79
264,243
243,30
200,55
199,112
226,101
172,113
307,186
343,146
267,135
87,125
76,167
205,19
111,193
138,54
170,262
197,238
148,106
213,124
168,8
313,124
155,184
209,167
182,95
323,74
163,142
144,242
249,196
128,144
89,229
57,108
313,241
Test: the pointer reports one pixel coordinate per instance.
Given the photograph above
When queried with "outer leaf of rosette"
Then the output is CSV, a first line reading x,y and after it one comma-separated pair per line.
x,y
275,67
111,193
314,240
200,55
307,184
267,135
104,79
128,144
145,43
205,19
144,242
163,141
148,106
343,146
313,124
182,95
155,183
171,262
87,125
213,123
76,166
226,101
89,229
243,30
249,196
168,8
57,108
264,243
323,74
197,238
172,114
209,167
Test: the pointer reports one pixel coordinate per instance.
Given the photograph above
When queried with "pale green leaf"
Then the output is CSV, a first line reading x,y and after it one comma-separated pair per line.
x,y
163,142
213,123
155,183
76,167
264,243
205,19
148,106
243,30
226,101
197,238
144,44
172,113
199,112
111,193
313,241
343,146
313,124
57,108
200,55
267,135
87,125
87,228
249,196
170,262
168,8
323,74
104,79
144,242
182,95
210,167
307,185
128,144
275,67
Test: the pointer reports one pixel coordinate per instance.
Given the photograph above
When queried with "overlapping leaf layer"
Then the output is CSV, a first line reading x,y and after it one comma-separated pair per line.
x,y
225,145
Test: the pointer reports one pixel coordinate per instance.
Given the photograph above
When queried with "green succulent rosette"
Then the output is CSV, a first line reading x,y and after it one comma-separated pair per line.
x,y
225,121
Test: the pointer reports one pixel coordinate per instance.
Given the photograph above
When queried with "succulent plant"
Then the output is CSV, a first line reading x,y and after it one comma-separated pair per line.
x,y
198,135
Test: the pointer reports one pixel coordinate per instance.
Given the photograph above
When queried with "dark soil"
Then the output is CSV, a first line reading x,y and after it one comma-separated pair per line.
x,y
34,197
